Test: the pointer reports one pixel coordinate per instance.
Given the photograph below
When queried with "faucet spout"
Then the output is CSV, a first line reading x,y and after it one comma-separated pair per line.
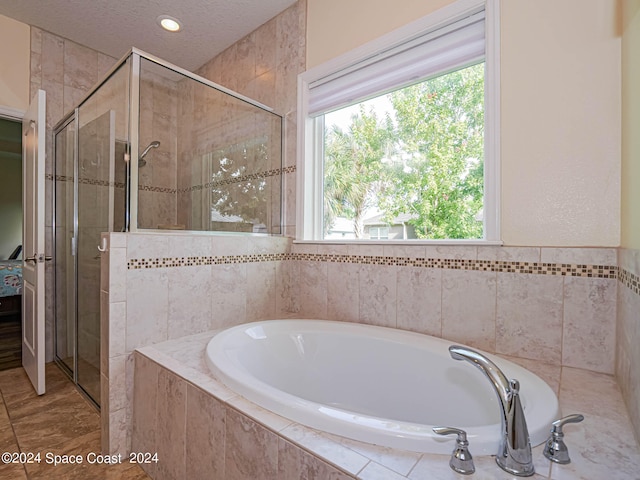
x,y
514,453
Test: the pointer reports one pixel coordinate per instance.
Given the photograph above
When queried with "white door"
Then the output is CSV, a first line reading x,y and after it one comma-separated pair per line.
x,y
33,156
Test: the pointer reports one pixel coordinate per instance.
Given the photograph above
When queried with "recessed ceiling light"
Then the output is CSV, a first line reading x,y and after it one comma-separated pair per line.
x,y
169,23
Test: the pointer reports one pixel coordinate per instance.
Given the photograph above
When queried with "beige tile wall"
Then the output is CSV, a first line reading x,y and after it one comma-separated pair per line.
x,y
145,306
628,334
218,281
198,436
264,66
66,71
213,126
582,310
157,197
562,319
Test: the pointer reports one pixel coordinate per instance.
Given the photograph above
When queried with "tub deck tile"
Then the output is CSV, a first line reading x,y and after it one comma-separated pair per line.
x,y
203,380
261,415
595,395
294,463
375,471
333,452
605,438
399,461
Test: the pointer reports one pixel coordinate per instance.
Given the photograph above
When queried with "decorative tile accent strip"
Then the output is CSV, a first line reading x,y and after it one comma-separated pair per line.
x,y
562,269
629,280
152,188
85,181
243,178
143,263
100,183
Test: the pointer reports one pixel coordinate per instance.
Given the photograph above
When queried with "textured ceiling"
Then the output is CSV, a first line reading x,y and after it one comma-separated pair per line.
x,y
114,26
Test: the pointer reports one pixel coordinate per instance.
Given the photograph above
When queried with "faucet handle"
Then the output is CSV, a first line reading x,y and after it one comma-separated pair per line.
x,y
558,424
461,459
555,449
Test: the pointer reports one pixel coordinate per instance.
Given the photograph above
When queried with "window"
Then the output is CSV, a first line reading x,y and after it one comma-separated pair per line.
x,y
404,134
379,233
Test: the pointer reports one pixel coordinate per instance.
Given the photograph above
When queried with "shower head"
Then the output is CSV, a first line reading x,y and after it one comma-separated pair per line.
x,y
141,161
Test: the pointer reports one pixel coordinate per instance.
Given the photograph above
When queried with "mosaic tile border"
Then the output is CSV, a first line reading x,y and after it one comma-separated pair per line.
x,y
84,181
101,183
152,188
629,280
243,178
227,181
146,263
562,269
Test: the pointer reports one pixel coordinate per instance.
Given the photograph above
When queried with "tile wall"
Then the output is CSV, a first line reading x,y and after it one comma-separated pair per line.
x,y
66,71
157,198
264,66
156,287
553,305
628,332
230,157
224,444
268,62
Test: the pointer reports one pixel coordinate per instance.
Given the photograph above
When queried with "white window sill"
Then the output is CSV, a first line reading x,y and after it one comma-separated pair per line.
x,y
400,242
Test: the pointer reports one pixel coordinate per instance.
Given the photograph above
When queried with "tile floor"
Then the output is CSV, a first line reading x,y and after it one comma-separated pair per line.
x,y
60,422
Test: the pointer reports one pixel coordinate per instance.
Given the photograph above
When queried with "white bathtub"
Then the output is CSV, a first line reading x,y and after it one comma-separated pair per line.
x,y
379,385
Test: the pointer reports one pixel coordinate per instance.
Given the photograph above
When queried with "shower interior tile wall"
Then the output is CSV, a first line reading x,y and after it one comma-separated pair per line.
x,y
264,66
158,122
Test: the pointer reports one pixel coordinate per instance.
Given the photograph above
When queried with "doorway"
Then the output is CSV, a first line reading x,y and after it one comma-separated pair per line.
x,y
10,244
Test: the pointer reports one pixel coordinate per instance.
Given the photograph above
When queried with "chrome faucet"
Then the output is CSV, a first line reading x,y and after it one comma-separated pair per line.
x,y
514,454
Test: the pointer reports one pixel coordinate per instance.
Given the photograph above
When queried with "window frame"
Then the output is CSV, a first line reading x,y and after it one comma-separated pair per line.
x,y
310,129
378,230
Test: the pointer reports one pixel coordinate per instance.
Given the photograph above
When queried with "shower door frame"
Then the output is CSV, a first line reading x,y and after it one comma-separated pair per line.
x,y
72,371
67,119
131,182
134,131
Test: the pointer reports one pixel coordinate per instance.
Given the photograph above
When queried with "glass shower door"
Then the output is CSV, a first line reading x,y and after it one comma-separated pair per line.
x,y
90,198
64,272
96,180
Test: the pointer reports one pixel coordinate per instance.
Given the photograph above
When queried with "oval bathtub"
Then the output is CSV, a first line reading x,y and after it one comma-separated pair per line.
x,y
378,385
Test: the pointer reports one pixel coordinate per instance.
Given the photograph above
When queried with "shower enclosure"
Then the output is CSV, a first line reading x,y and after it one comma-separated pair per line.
x,y
151,147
